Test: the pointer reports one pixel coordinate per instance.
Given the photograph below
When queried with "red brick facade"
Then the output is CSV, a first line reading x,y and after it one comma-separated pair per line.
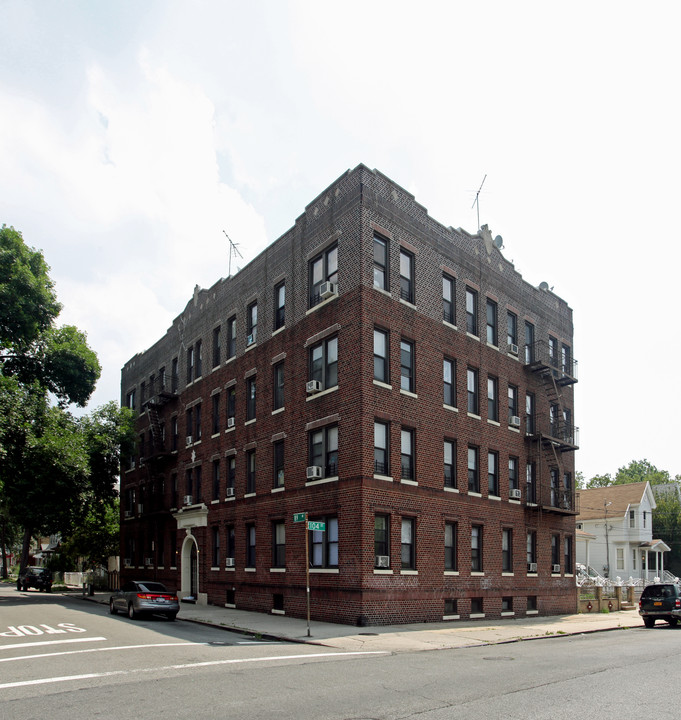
x,y
187,544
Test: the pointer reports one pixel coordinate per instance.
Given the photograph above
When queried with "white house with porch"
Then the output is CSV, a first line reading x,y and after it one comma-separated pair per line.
x,y
617,532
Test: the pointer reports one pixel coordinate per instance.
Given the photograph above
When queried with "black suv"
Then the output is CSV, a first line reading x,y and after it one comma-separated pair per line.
x,y
660,601
35,577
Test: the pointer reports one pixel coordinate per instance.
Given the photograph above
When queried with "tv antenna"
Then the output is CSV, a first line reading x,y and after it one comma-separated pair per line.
x,y
233,250
476,202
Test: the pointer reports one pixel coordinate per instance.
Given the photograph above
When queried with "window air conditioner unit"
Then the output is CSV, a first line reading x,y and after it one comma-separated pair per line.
x,y
229,492
313,472
127,562
313,386
327,289
229,562
515,494
188,500
531,567
127,513
514,421
148,561
188,440
513,349
382,561
230,422
250,340
555,569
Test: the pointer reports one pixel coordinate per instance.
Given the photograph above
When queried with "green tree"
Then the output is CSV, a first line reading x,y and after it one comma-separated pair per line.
x,y
641,471
97,536
598,481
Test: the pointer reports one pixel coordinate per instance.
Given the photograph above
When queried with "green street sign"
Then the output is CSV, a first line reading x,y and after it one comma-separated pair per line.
x,y
299,517
316,526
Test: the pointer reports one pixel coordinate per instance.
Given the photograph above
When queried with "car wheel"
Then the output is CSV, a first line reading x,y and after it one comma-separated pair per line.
x,y
112,607
673,621
48,588
649,621
25,588
19,586
131,612
171,616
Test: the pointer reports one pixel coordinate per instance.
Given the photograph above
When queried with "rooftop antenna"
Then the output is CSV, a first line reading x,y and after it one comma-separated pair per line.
x,y
477,199
233,250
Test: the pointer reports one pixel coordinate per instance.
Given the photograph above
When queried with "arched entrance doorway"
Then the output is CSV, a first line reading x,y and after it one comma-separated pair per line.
x,y
189,574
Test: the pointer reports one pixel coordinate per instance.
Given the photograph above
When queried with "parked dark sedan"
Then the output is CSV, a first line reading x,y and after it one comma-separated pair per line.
x,y
660,601
144,596
35,577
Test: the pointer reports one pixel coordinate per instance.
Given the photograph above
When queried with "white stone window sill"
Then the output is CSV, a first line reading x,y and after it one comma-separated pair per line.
x,y
532,612
494,497
477,616
386,478
278,489
449,325
278,612
451,617
408,393
507,613
474,416
381,384
477,573
249,569
382,572
277,570
408,482
325,571
452,490
408,304
322,304
409,572
250,422
451,573
451,408
309,483
230,605
472,337
249,495
278,410
474,494
321,394
493,422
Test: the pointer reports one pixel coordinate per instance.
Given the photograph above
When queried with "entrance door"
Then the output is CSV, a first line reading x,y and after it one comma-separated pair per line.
x,y
193,572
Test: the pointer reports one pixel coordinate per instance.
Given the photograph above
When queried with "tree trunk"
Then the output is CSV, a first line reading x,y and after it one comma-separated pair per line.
x,y
25,547
3,545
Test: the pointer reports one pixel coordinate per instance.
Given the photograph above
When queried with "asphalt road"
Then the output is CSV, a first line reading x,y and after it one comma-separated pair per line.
x,y
61,657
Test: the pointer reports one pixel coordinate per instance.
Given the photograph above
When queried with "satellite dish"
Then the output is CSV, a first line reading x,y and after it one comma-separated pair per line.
x,y
543,286
498,242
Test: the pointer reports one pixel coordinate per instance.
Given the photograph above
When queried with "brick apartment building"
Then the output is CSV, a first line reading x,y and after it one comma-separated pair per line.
x,y
396,380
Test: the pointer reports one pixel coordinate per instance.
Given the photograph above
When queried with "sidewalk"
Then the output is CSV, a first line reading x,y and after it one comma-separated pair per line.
x,y
400,638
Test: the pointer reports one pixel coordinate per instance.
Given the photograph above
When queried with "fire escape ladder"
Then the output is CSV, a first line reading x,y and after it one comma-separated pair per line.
x,y
155,429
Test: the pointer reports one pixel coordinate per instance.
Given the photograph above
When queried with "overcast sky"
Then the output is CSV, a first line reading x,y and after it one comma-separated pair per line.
x,y
133,134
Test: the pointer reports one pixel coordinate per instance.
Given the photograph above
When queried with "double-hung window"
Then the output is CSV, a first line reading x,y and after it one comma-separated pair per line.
x,y
476,548
451,560
553,351
250,471
381,538
323,269
323,451
381,258
472,387
216,480
567,542
198,359
215,425
492,334
513,473
507,550
450,463
250,399
215,532
492,399
407,276
279,306
531,483
408,544
449,299
278,454
252,324
250,545
190,364
324,363
555,554
278,394
449,382
473,469
529,414
381,354
529,342
565,360
407,365
512,405
324,544
493,473
471,311
512,331
381,448
231,337
531,551
231,406
278,544
407,454
231,474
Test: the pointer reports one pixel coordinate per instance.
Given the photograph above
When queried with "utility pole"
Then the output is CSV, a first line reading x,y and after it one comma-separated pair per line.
x,y
607,539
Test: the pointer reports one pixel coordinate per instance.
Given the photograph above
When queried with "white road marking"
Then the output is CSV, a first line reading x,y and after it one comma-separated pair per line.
x,y
94,650
50,642
187,666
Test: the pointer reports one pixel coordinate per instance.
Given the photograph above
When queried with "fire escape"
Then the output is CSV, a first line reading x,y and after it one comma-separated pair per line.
x,y
550,437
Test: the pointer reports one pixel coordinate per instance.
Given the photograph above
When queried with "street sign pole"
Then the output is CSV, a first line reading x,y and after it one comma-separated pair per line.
x,y
307,572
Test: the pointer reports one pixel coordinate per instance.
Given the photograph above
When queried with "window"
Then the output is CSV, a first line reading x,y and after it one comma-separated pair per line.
x,y
381,255
216,480
278,451
477,606
230,541
381,448
532,603
197,422
252,324
408,544
555,552
173,433
531,550
189,424
554,476
492,399
198,359
216,346
451,607
174,490
472,385
407,365
529,414
565,360
553,351
324,544
512,330
250,545
278,544
567,545
473,473
507,550
231,473
381,536
278,386
634,552
215,426
381,365
250,399
279,306
451,560
449,381
231,406
215,533
407,454
198,497
449,299
324,363
632,519
529,342
506,604
324,268
493,473
476,548
512,405
130,400
450,463
190,364
250,471
407,276
513,473
471,311
324,450
231,337
531,485
492,336
645,515
175,377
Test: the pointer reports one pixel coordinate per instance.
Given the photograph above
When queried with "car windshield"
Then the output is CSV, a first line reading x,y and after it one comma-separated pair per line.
x,y
153,587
